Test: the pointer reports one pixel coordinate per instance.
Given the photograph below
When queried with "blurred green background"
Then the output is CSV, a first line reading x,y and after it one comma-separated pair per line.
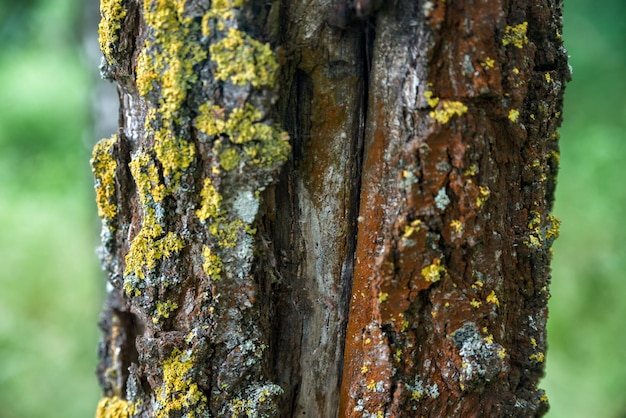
x,y
51,288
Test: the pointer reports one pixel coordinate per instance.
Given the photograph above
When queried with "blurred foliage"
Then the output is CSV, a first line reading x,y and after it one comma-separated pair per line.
x,y
586,360
50,284
51,288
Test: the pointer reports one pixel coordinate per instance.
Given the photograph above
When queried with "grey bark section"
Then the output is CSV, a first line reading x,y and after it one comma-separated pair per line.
x,y
317,203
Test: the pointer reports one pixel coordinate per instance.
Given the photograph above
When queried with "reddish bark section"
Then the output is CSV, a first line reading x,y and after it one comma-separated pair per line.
x,y
448,306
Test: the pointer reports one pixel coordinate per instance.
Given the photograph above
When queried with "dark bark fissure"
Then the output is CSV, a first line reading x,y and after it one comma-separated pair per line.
x,y
294,306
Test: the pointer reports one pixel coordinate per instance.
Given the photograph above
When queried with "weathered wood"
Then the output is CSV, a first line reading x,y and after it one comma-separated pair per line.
x,y
449,301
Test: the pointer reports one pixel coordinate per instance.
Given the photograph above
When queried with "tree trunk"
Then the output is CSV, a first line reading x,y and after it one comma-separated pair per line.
x,y
328,208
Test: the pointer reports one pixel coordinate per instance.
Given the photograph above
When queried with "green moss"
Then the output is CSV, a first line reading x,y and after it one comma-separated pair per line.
x,y
178,391
241,59
103,166
448,109
516,35
112,14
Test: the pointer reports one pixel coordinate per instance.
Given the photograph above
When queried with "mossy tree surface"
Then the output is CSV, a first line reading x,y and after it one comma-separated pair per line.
x,y
364,230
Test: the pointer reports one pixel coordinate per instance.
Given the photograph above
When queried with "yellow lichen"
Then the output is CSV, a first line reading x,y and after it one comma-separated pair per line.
x,y
226,232
448,109
242,59
457,226
413,227
433,272
489,339
211,201
484,193
472,170
539,357
516,35
178,391
221,11
513,115
212,265
109,27
164,309
145,251
149,245
371,385
416,395
103,166
431,99
475,303
492,298
264,144
168,57
502,353
229,159
382,297
488,63
555,226
174,153
146,175
115,407
364,369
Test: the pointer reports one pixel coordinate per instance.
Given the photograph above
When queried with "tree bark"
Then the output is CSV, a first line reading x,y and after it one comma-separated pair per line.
x,y
328,208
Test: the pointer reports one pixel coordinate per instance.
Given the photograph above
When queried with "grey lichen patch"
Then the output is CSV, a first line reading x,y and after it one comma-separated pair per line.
x,y
482,359
442,200
246,206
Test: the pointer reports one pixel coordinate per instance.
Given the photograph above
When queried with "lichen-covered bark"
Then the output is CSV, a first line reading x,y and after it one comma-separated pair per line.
x,y
324,208
448,307
180,188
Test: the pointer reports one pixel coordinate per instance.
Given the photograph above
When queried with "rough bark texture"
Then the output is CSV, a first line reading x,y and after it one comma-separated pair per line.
x,y
393,260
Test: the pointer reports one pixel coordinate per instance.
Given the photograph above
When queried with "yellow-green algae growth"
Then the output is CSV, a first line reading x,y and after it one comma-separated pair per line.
x,y
179,392
103,166
112,12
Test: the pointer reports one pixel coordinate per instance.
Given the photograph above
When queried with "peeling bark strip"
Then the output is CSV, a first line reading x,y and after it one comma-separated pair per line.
x,y
390,259
448,307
